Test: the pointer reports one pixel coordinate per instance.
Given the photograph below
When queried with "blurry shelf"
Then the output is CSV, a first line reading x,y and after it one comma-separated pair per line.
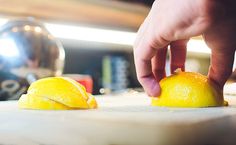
x,y
105,13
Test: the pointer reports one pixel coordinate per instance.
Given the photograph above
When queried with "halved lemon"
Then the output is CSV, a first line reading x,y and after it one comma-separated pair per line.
x,y
188,89
57,93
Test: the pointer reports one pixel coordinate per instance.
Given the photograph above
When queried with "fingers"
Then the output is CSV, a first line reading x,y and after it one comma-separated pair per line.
x,y
144,71
221,66
158,64
145,48
178,55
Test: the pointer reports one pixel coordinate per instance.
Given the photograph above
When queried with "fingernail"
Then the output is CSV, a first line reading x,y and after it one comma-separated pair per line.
x,y
155,90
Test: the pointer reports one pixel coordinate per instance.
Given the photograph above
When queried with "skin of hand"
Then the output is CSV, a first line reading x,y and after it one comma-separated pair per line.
x,y
171,23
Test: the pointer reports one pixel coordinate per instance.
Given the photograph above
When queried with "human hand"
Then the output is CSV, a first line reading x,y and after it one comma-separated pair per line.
x,y
172,23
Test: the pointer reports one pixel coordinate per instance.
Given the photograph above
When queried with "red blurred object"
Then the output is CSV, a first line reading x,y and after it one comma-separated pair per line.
x,y
84,80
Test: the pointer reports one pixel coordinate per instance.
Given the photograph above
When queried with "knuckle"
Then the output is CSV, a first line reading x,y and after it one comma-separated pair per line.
x,y
210,10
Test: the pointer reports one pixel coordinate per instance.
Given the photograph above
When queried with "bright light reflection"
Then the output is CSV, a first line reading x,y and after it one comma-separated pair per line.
x,y
14,29
2,21
37,29
27,27
8,48
91,34
105,36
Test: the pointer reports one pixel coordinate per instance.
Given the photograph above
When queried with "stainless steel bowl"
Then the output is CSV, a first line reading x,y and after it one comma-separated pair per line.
x,y
27,52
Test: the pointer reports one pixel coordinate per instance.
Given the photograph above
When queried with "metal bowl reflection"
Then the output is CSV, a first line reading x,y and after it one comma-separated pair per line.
x,y
27,52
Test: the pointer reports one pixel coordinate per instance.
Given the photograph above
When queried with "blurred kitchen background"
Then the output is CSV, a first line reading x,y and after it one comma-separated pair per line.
x,y
97,37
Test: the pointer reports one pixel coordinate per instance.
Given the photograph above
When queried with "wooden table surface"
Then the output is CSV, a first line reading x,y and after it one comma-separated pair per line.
x,y
124,119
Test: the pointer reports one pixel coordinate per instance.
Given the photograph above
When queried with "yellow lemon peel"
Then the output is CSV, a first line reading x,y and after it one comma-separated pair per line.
x,y
188,89
56,93
92,102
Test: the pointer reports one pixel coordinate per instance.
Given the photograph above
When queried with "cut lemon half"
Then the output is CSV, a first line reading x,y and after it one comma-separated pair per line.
x,y
188,89
56,93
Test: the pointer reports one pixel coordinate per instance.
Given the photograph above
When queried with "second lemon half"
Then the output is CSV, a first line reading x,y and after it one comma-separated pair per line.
x,y
188,89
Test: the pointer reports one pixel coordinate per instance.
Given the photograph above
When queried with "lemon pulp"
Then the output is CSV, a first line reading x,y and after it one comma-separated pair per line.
x,y
56,93
188,89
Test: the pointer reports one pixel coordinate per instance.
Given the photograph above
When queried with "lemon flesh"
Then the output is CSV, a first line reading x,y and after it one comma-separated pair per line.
x,y
57,93
40,103
188,89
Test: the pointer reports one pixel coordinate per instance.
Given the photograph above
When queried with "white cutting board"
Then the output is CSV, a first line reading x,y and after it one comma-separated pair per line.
x,y
125,119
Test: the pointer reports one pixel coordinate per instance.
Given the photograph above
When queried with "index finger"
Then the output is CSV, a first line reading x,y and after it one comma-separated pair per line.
x,y
145,48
